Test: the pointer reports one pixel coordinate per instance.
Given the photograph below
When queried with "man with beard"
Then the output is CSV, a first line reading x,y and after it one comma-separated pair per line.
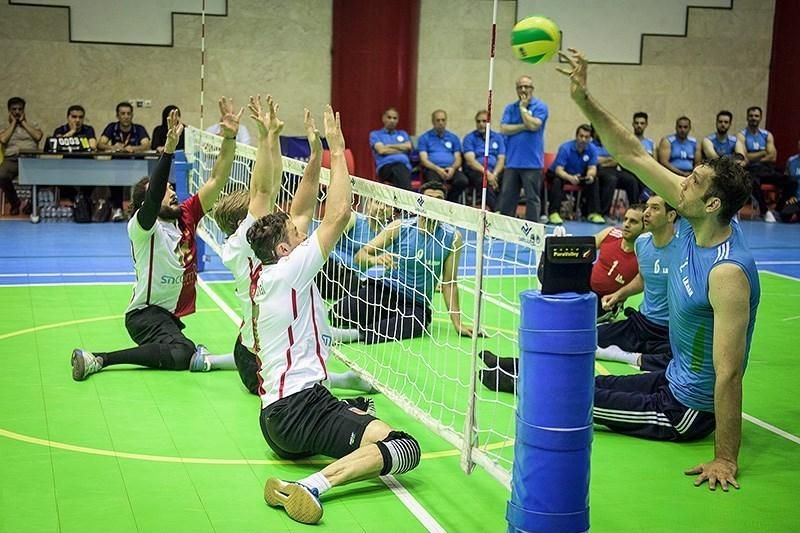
x,y
162,234
679,152
722,144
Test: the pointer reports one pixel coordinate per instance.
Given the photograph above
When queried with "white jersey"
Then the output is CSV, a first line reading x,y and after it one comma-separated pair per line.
x,y
245,266
292,333
165,260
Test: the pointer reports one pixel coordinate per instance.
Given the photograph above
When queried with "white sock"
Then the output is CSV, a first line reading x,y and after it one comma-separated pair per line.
x,y
349,380
345,335
316,481
221,362
615,353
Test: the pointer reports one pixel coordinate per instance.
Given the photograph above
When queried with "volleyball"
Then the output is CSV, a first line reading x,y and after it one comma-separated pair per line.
x,y
535,39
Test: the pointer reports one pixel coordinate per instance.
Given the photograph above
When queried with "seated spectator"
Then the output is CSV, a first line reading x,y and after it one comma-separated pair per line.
x,y
440,156
679,152
474,145
609,173
242,136
721,143
791,208
576,163
160,131
640,120
75,126
761,156
121,136
391,148
19,135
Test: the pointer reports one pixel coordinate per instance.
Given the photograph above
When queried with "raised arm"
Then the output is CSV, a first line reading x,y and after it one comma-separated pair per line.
x,y
305,199
221,173
729,295
621,143
262,182
340,191
450,287
157,187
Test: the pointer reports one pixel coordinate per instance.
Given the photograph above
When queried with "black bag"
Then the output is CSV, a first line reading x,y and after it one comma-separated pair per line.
x,y
82,211
101,211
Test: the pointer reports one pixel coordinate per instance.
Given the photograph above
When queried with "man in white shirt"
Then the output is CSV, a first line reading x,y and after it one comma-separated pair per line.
x,y
162,234
299,416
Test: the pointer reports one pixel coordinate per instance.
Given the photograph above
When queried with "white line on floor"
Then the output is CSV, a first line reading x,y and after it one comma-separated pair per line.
x,y
399,490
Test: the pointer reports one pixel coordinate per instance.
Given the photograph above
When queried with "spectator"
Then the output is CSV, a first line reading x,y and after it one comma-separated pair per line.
x,y
523,125
391,148
440,156
721,144
679,152
791,209
121,136
75,126
576,163
474,145
19,135
160,131
612,177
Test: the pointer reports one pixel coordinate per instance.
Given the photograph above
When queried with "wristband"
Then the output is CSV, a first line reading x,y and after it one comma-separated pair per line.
x,y
230,138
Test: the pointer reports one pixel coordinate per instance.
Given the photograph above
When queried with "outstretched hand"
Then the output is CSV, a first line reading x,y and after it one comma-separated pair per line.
x,y
333,131
229,123
312,133
266,119
577,72
717,471
174,131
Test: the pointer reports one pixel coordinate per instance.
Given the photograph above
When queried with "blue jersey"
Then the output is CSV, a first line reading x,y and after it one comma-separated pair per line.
x,y
441,150
525,149
575,162
755,142
793,170
351,241
648,144
691,373
419,259
723,148
681,153
476,142
654,267
385,136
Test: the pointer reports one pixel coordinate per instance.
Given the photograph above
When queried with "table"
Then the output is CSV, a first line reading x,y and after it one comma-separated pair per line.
x,y
83,168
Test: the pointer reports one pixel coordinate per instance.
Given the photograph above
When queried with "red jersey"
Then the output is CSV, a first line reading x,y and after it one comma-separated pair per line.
x,y
615,267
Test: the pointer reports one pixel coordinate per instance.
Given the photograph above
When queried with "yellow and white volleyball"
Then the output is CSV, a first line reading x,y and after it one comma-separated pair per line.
x,y
535,39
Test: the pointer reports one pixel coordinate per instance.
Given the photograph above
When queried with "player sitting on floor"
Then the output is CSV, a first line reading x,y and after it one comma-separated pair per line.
x,y
300,417
162,234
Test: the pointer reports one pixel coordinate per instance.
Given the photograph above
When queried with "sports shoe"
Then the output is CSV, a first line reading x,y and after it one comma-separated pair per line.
x,y
198,362
83,364
301,503
596,218
118,215
769,217
364,404
555,218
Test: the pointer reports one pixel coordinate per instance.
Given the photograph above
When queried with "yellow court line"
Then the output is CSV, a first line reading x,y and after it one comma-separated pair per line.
x,y
79,321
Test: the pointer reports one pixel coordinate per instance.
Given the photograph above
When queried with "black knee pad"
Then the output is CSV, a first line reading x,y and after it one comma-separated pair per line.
x,y
400,451
181,355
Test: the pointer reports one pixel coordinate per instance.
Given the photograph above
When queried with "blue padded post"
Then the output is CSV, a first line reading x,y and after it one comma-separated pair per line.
x,y
550,477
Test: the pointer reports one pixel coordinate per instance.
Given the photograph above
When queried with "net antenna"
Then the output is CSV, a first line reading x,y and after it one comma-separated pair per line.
x,y
432,377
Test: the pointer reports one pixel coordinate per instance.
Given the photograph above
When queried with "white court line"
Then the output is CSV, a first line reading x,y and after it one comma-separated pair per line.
x,y
784,276
790,318
399,490
128,283
788,262
769,427
81,274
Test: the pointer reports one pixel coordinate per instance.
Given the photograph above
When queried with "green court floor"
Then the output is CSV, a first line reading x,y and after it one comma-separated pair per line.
x,y
134,450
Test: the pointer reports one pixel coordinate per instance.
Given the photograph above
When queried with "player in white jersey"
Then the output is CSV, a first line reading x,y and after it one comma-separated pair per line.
x,y
162,234
236,213
299,416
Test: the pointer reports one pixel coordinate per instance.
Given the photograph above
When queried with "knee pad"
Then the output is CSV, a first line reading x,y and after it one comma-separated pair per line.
x,y
400,453
181,355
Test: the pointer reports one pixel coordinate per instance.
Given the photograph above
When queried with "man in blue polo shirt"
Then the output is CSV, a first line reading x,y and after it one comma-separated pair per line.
x,y
391,147
75,126
440,156
523,125
474,146
576,163
679,152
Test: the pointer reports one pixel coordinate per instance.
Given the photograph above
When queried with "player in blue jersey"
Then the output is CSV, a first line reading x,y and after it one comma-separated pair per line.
x,y
679,152
713,298
721,143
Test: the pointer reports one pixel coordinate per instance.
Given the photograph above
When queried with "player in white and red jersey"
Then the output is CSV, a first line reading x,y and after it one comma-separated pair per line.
x,y
300,417
236,213
162,234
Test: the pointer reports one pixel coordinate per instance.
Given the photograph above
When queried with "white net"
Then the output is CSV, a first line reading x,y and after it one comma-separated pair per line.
x,y
435,376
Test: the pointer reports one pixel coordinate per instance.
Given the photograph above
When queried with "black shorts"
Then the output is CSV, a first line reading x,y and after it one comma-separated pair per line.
x,y
156,325
634,334
311,422
247,365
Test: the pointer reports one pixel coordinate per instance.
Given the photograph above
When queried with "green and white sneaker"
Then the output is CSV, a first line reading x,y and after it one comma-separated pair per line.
x,y
199,362
83,364
596,218
555,218
301,503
